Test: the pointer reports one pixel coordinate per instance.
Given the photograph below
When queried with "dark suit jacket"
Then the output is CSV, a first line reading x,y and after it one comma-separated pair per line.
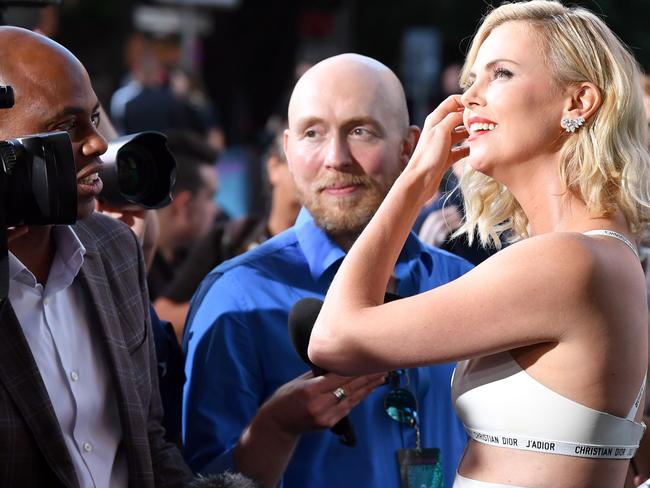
x,y
32,450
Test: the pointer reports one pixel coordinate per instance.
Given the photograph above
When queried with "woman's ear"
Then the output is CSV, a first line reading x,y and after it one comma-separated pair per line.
x,y
585,99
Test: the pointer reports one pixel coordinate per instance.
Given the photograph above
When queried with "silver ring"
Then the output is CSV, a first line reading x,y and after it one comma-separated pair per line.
x,y
339,393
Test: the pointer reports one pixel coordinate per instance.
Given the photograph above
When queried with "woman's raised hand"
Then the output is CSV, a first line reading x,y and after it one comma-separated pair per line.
x,y
439,145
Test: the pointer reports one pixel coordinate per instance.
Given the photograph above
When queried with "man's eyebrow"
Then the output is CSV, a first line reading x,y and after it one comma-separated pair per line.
x,y
365,120
72,110
307,121
362,120
304,122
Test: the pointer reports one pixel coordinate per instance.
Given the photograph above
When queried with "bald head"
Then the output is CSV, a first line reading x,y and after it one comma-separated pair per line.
x,y
353,76
25,53
37,68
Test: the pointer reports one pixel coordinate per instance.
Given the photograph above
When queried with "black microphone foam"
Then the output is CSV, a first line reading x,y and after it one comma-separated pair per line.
x,y
302,317
222,480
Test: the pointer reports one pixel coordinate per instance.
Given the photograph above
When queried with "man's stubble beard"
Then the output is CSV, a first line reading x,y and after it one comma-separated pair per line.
x,y
346,216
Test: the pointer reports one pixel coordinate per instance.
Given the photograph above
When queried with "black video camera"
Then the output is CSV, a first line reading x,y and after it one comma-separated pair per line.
x,y
138,170
38,184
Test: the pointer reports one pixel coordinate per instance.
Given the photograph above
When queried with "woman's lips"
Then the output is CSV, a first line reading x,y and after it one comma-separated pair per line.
x,y
474,135
478,127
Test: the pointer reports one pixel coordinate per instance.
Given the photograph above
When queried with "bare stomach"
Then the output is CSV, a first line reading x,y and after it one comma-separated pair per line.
x,y
540,470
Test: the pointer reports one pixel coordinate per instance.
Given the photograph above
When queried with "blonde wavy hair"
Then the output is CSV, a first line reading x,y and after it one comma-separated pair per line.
x,y
605,162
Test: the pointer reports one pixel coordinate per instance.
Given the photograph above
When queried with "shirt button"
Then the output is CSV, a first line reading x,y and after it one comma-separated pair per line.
x,y
87,446
74,375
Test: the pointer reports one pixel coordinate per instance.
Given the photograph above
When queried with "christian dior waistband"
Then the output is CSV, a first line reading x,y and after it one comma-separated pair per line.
x,y
551,446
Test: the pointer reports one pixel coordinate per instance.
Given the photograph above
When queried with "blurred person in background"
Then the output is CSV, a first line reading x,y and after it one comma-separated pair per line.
x,y
189,87
147,102
192,211
227,239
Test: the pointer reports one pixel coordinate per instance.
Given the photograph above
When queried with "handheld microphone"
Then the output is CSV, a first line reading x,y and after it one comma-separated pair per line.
x,y
302,317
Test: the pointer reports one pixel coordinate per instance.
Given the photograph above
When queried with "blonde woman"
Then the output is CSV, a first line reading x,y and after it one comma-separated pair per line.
x,y
551,331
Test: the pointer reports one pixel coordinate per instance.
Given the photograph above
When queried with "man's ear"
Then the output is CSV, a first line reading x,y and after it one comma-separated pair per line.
x,y
583,101
272,165
408,143
180,203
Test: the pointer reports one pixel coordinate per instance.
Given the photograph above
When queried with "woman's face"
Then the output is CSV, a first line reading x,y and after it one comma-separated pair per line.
x,y
513,107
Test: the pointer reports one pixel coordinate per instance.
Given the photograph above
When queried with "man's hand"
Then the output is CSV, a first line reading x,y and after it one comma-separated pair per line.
x,y
308,403
305,404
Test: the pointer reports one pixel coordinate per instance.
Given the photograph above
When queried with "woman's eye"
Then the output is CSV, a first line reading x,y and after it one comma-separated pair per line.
x,y
502,73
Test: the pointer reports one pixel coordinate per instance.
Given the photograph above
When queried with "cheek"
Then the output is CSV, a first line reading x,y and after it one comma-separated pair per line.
x,y
377,162
78,156
201,222
205,210
307,161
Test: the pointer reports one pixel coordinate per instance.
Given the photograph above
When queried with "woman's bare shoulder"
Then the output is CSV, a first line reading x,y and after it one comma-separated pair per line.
x,y
560,259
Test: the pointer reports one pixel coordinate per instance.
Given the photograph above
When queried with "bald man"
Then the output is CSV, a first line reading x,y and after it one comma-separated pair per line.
x,y
79,402
250,403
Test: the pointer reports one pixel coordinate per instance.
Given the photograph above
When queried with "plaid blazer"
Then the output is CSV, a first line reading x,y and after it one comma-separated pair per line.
x,y
32,450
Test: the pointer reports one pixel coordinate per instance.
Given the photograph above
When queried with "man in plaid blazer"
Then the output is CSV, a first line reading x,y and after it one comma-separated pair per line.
x,y
79,401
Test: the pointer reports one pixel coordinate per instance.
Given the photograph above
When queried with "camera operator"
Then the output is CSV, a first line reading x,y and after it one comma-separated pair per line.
x,y
79,401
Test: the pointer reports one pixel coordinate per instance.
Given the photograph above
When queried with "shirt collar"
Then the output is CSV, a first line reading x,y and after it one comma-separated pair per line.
x,y
69,250
322,252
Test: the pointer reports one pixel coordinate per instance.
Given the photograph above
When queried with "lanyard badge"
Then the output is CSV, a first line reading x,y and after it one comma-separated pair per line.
x,y
419,467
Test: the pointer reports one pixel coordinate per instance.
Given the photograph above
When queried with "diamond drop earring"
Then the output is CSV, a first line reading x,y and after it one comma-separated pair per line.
x,y
571,125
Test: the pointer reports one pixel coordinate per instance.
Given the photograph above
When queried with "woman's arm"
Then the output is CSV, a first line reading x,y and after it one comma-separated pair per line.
x,y
473,315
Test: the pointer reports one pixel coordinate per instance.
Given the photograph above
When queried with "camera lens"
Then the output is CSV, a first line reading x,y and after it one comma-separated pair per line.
x,y
136,172
138,169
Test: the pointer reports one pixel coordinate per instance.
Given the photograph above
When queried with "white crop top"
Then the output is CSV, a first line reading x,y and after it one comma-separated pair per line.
x,y
502,405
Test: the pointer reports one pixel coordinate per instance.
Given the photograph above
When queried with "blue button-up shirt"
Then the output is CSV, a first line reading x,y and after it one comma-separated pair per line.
x,y
239,353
